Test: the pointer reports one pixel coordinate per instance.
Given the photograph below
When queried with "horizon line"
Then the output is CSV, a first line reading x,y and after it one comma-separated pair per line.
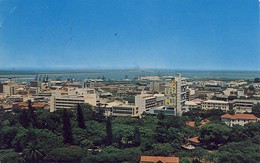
x,y
114,69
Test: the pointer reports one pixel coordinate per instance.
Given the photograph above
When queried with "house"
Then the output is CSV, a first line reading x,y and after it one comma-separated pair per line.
x,y
190,123
238,119
155,159
194,141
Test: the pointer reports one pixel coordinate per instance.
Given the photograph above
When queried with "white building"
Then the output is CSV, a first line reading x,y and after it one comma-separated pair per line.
x,y
244,105
159,99
190,105
215,104
145,102
238,119
234,92
125,110
9,90
75,96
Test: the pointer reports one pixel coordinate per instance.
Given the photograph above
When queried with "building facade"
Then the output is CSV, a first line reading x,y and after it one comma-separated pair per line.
x,y
238,119
125,110
215,104
75,96
244,105
145,102
175,94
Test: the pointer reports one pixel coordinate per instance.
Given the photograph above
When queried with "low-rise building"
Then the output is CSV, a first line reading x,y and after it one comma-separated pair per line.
x,y
190,105
145,102
91,83
161,109
75,96
215,104
243,105
234,92
125,110
238,119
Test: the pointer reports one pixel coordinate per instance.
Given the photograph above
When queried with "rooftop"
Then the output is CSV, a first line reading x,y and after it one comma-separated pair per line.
x,y
240,116
154,159
194,139
190,123
216,101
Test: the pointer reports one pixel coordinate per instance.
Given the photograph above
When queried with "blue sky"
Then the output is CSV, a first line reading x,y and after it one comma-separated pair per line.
x,y
100,34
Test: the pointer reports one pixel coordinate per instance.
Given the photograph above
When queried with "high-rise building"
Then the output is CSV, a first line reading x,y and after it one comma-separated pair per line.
x,y
175,94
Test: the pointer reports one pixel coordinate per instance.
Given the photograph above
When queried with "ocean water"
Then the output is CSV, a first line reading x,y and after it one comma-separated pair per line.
x,y
120,74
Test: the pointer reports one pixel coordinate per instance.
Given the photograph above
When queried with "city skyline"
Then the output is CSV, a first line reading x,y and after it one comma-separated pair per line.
x,y
200,35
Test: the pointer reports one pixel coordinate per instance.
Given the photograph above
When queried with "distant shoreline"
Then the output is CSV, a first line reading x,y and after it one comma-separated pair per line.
x,y
118,74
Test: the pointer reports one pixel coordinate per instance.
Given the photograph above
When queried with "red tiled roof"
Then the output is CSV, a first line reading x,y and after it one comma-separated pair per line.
x,y
39,105
5,106
194,139
190,123
245,116
239,116
155,159
24,104
206,121
34,105
227,116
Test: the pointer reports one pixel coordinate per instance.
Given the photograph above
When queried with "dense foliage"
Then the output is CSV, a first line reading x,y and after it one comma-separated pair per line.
x,y
84,135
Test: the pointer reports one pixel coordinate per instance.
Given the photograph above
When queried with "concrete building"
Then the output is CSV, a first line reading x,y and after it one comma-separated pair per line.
x,y
234,92
152,78
238,119
91,83
9,90
75,96
156,86
215,104
189,105
145,102
190,94
212,88
2,87
161,109
175,94
244,105
159,99
125,110
34,84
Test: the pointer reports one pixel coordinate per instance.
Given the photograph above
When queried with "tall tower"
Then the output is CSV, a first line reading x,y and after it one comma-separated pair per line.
x,y
175,93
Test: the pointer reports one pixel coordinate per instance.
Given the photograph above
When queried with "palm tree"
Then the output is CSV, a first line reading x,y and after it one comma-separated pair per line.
x,y
32,153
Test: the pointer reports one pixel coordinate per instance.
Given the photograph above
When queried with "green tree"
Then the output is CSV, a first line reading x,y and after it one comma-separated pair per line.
x,y
161,128
43,138
24,119
67,133
80,117
164,149
237,134
239,152
65,154
9,156
213,135
112,154
213,114
109,131
32,153
136,137
31,114
7,134
256,110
